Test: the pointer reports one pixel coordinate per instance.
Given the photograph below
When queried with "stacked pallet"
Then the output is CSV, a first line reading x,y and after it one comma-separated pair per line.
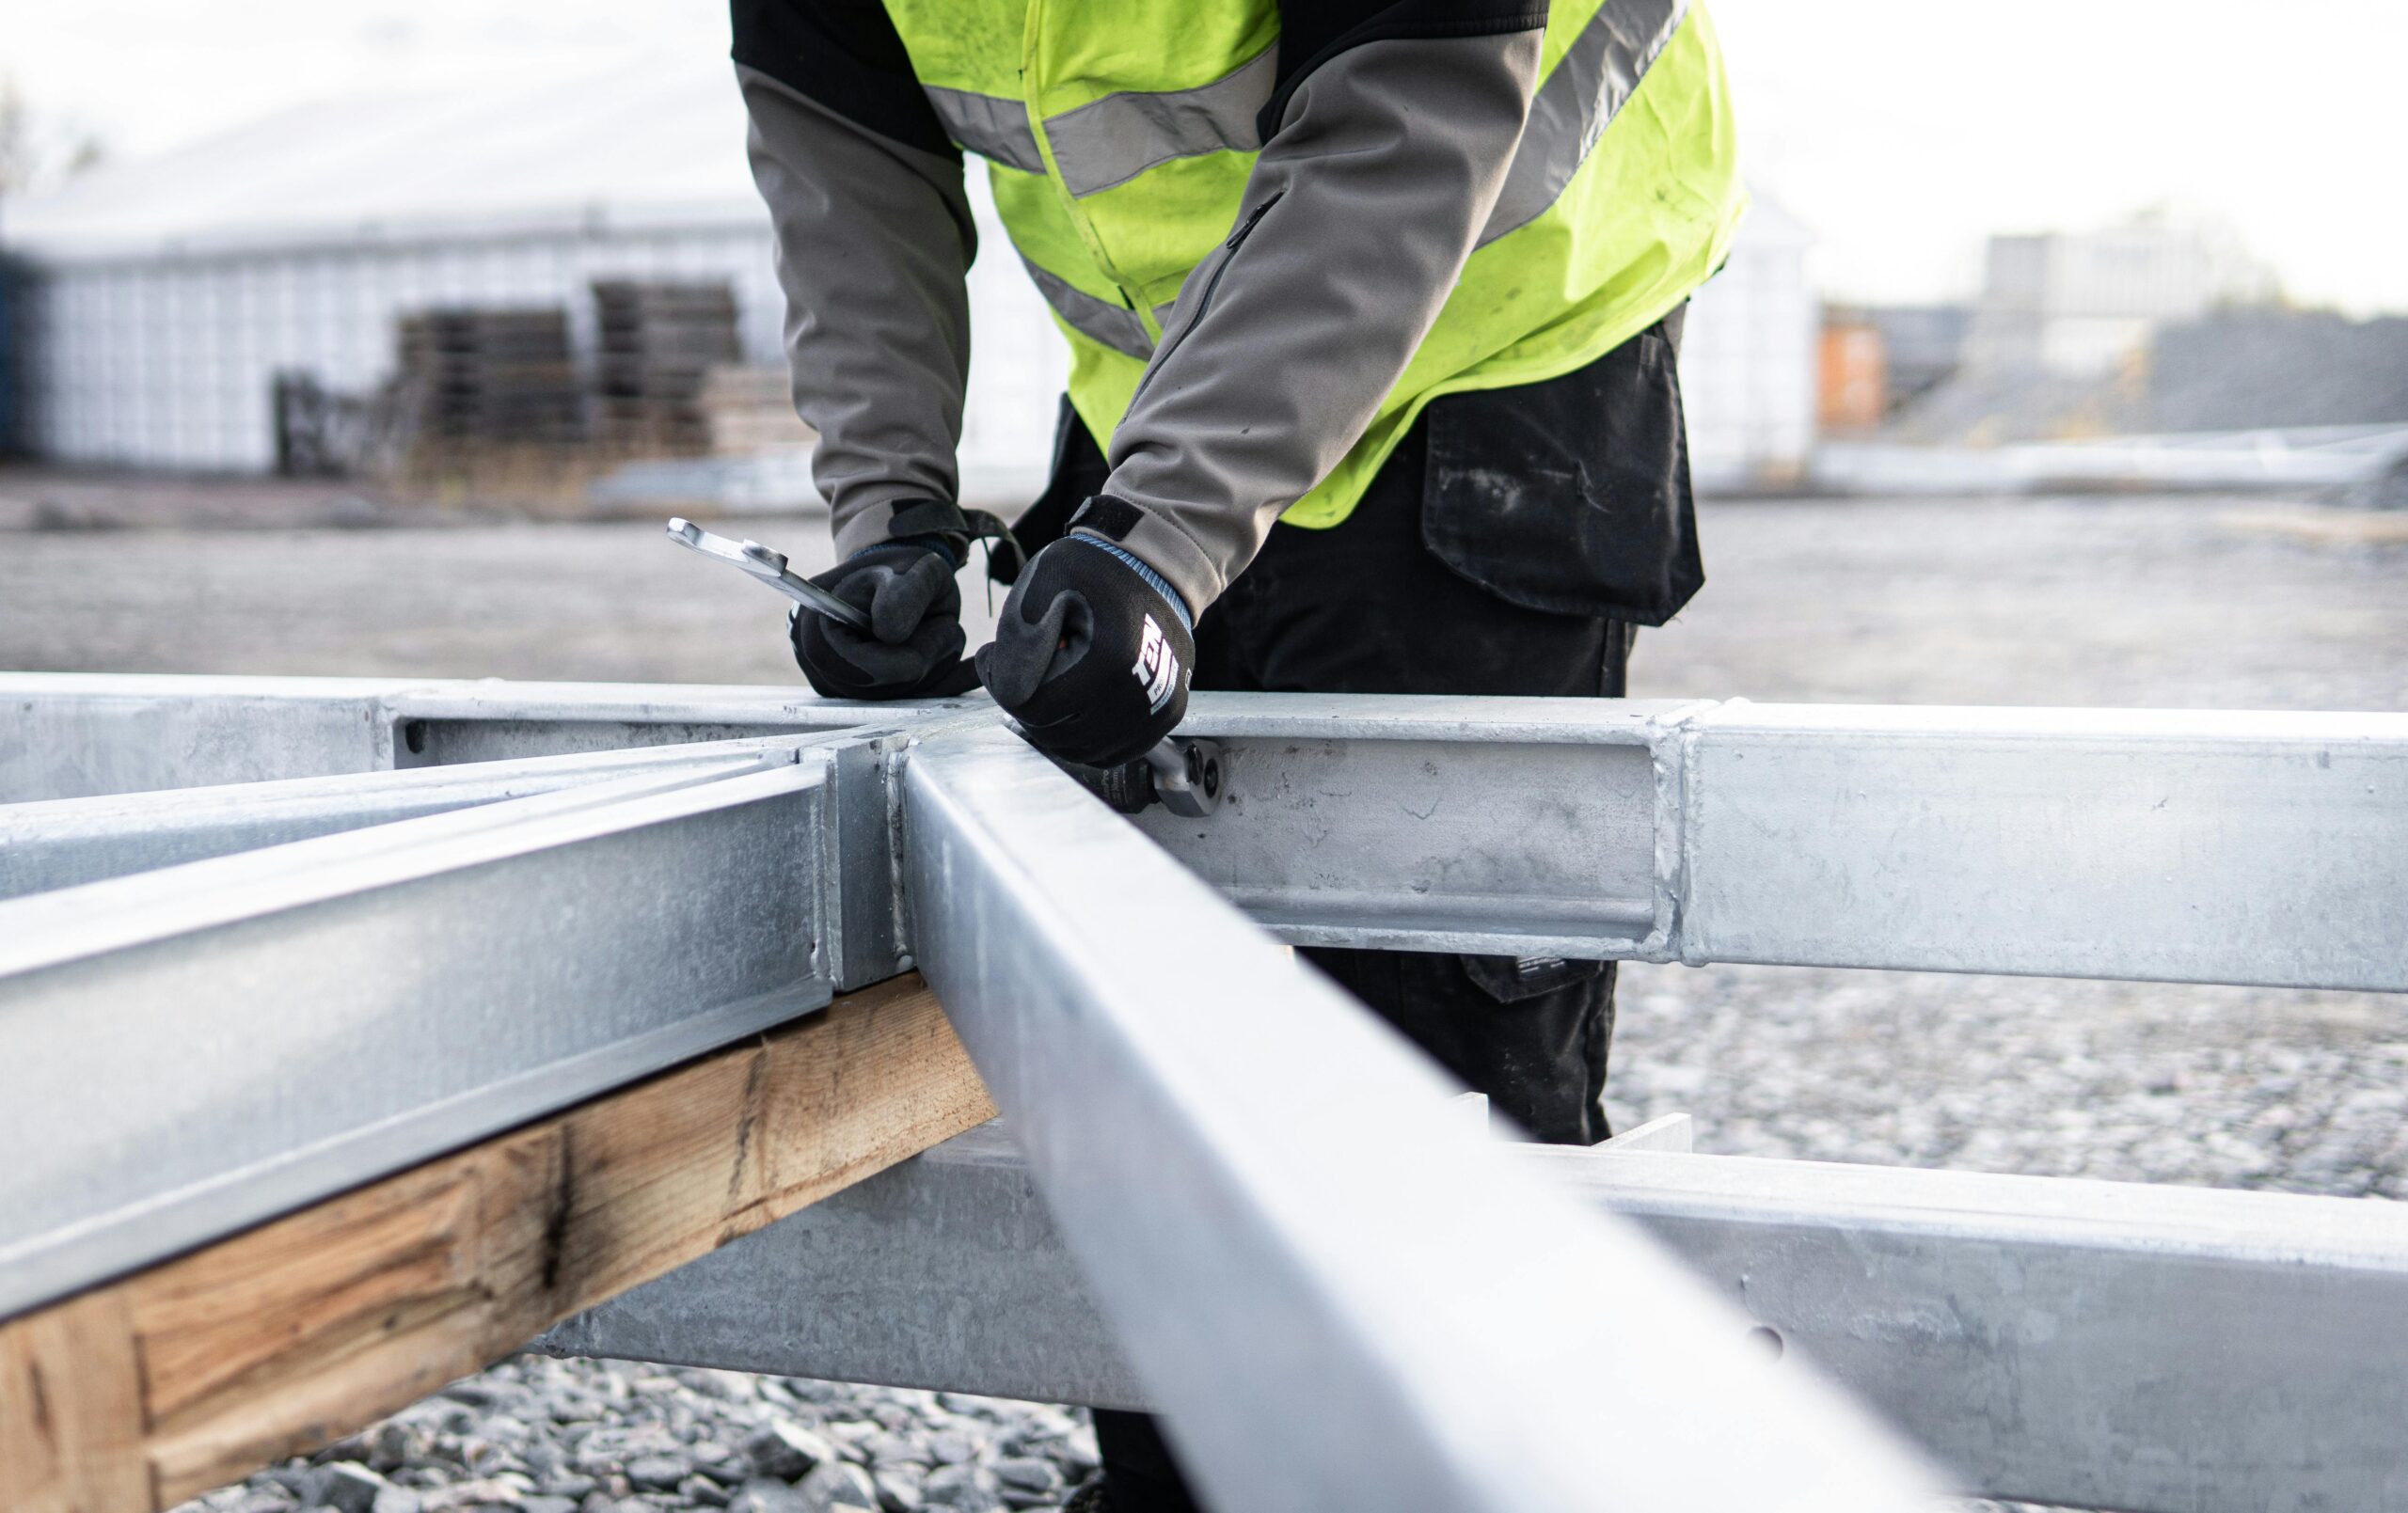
x,y
657,345
750,411
473,378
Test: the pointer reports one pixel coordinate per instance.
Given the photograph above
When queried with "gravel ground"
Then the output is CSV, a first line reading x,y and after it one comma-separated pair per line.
x,y
541,1436
2133,601
2286,1089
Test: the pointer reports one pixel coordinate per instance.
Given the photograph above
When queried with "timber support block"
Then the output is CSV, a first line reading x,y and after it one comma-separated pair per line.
x,y
146,1391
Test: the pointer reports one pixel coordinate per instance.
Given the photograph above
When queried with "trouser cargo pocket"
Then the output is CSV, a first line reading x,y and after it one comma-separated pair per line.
x,y
1570,495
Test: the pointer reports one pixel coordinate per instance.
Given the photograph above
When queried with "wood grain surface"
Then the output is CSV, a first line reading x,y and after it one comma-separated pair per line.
x,y
144,1392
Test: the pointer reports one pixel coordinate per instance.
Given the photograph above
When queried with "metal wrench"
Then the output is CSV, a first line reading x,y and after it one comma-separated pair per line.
x,y
1183,776
753,558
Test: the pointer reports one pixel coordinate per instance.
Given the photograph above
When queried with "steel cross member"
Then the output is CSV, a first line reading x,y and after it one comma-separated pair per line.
x,y
310,931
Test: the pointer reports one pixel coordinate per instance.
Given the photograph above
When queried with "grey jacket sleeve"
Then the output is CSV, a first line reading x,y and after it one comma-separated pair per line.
x,y
1355,226
874,240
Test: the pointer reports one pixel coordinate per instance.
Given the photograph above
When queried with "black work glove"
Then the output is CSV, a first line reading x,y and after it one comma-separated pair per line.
x,y
914,647
1091,655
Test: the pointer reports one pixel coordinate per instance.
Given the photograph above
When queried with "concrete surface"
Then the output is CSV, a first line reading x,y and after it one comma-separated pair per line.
x,y
2152,601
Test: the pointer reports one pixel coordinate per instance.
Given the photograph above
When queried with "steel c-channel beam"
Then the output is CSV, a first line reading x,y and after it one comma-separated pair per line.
x,y
187,1051
1336,1297
2181,845
2074,1343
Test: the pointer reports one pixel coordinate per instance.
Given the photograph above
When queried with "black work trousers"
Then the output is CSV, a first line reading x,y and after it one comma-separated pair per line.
x,y
1367,607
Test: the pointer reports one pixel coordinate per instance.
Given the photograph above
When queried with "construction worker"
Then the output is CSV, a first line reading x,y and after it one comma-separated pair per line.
x,y
1373,310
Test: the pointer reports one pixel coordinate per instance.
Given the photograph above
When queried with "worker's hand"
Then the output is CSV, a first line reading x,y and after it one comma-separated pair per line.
x,y
1091,655
914,647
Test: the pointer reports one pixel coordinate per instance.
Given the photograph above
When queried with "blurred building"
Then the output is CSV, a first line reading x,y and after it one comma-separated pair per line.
x,y
1877,359
2081,305
1749,356
170,296
1852,376
1922,347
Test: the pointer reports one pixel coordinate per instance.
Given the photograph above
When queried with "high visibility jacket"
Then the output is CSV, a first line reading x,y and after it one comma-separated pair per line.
x,y
1119,136
1270,237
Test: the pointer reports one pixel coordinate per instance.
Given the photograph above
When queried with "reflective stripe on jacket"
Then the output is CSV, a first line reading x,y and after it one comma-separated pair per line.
x,y
1120,138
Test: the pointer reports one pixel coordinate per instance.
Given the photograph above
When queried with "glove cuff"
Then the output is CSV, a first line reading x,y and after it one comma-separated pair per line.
x,y
1154,580
1194,578
927,522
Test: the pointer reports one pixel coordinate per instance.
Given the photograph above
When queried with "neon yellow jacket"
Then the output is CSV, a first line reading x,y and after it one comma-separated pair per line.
x,y
1270,233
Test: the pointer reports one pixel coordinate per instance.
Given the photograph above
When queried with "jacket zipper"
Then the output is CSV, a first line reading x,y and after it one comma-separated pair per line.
x,y
1212,287
1032,90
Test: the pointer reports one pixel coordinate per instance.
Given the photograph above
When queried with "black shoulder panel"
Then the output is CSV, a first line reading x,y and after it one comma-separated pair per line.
x,y
844,54
1311,32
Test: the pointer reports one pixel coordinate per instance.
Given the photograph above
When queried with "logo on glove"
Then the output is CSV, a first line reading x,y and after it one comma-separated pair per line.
x,y
1157,669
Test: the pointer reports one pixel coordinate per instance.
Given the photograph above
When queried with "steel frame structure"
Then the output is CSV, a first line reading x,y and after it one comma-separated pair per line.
x,y
305,932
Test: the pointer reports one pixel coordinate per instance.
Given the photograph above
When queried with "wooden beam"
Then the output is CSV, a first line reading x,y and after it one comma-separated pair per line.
x,y
144,1392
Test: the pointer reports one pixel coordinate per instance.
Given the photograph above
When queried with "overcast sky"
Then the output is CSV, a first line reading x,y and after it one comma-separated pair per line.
x,y
1901,132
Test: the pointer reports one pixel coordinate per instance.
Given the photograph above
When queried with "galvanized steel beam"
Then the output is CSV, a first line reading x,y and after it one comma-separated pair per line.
x,y
442,723
1507,827
2052,1340
186,1051
72,736
1258,1179
2177,846
2090,1344
2198,846
2172,845
1339,1299
64,843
